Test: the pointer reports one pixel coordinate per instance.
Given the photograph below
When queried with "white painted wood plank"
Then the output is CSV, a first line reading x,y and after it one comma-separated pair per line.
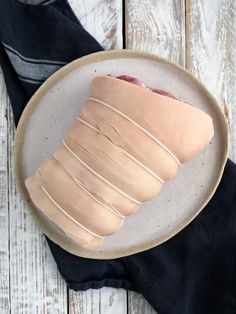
x,y
105,300
4,231
211,52
36,286
138,304
157,27
103,20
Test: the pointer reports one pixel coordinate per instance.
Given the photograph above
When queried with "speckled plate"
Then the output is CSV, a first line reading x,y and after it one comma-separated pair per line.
x,y
55,105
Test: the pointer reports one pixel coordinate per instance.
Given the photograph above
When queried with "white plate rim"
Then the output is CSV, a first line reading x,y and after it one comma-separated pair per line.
x,y
34,101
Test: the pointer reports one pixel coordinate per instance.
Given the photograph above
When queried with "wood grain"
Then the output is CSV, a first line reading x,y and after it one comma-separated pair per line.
x,y
105,300
103,20
211,48
4,242
157,27
137,304
36,286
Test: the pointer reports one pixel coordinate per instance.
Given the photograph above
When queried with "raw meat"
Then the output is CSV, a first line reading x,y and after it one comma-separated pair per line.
x,y
127,141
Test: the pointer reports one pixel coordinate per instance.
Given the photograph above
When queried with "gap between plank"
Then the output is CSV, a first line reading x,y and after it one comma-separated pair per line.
x,y
8,194
184,32
124,26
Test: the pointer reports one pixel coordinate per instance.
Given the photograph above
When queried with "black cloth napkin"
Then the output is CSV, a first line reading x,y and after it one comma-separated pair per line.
x,y
194,272
36,40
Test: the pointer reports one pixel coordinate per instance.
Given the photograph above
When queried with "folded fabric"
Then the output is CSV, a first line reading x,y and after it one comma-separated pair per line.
x,y
38,38
193,272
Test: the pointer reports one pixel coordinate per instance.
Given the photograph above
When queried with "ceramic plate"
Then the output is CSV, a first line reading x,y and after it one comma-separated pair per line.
x,y
57,102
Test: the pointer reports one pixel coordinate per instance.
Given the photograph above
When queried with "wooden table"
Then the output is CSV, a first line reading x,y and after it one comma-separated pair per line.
x,y
197,34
